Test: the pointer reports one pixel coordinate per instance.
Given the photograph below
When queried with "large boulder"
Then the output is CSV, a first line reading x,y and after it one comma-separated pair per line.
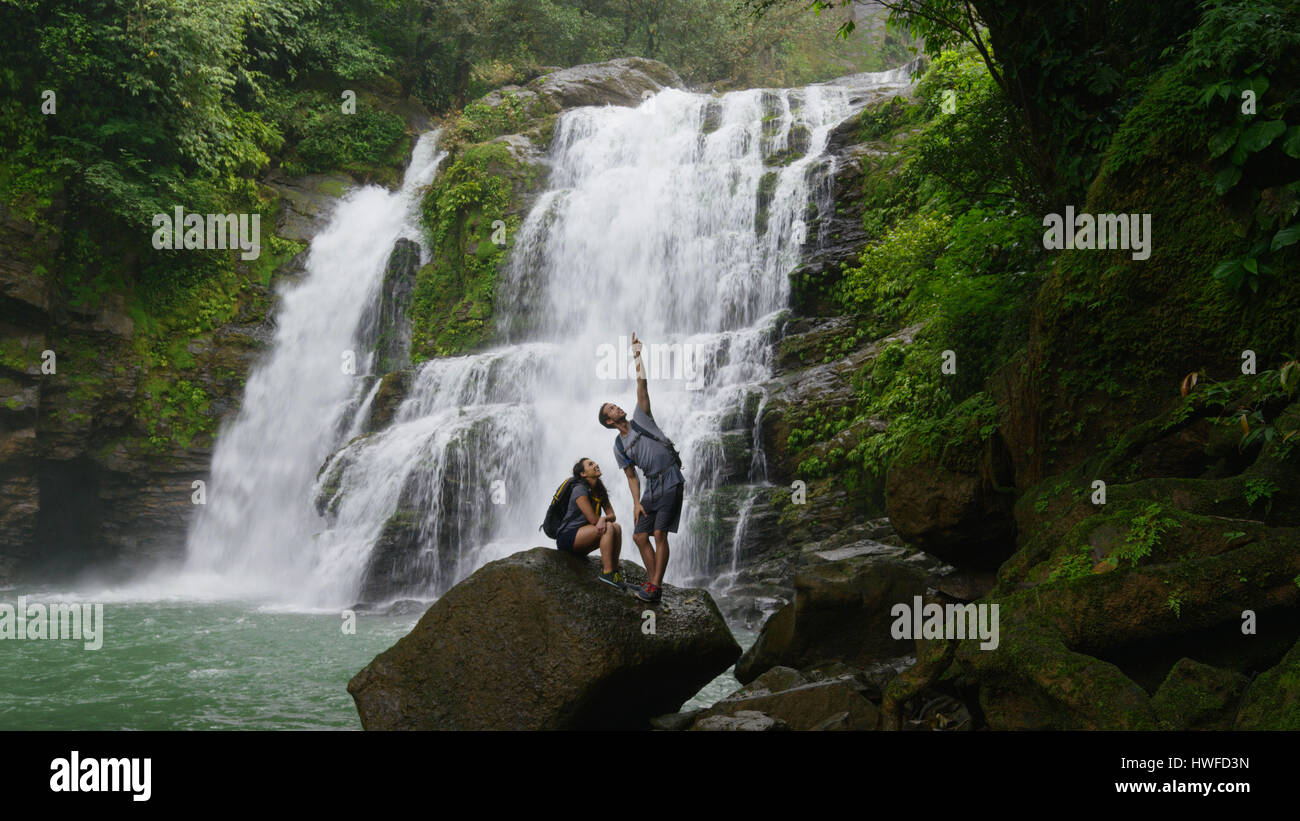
x,y
535,642
1272,702
614,82
1196,696
952,496
841,609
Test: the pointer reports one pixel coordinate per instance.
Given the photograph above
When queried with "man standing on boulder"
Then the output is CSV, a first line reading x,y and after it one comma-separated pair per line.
x,y
641,444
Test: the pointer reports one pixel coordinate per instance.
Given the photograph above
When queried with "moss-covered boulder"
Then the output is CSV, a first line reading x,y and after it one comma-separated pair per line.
x,y
535,642
471,212
1272,702
1085,652
1196,696
950,491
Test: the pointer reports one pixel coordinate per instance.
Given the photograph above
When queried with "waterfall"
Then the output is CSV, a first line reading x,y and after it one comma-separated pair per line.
x,y
678,220
253,537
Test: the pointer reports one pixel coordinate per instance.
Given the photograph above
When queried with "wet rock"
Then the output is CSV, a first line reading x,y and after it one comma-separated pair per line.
x,y
743,721
785,694
393,389
307,200
385,326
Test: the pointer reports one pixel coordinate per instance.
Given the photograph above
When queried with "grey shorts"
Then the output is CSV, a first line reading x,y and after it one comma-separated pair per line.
x,y
662,512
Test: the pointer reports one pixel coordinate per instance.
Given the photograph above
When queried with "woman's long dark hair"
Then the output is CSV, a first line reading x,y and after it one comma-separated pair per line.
x,y
598,492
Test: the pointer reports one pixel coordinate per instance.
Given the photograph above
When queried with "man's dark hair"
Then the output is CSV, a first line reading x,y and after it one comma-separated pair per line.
x,y
602,418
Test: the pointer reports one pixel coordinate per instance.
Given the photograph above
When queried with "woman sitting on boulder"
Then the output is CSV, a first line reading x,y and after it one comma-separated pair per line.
x,y
584,527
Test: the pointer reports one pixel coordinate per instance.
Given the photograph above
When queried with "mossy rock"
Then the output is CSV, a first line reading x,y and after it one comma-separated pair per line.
x,y
1050,670
470,214
393,389
1196,696
1272,702
949,490
1098,308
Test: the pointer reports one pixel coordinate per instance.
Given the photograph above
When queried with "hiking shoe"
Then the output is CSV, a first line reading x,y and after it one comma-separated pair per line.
x,y
648,592
614,579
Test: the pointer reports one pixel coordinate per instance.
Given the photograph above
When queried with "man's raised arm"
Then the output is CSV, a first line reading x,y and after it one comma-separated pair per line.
x,y
642,389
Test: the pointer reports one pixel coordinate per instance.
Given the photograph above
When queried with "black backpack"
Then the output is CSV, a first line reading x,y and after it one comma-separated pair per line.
x,y
560,506
672,449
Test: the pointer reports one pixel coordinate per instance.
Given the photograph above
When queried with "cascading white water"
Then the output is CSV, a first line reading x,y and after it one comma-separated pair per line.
x,y
678,220
253,535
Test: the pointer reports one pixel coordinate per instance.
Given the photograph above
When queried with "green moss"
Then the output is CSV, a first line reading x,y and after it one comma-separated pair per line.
x,y
276,250
478,123
1168,306
19,355
452,306
175,412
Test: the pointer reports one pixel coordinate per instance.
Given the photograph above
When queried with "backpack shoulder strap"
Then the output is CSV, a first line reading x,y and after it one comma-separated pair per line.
x,y
645,432
564,486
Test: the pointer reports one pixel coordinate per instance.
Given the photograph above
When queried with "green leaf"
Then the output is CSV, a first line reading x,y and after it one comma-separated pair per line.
x,y
1256,84
1226,178
1225,269
1250,264
1259,135
1291,142
1224,140
1285,237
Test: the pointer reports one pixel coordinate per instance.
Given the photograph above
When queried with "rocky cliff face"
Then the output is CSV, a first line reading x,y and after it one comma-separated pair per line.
x,y
83,477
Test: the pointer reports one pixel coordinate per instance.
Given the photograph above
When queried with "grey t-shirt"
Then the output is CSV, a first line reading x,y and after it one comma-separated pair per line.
x,y
573,517
654,458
